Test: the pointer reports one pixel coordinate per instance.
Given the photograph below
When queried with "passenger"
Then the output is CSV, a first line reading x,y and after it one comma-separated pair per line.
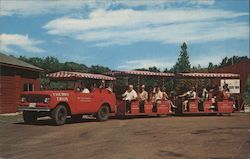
x,y
85,89
166,97
93,87
157,97
143,97
190,95
226,92
164,94
129,96
102,85
172,100
110,87
204,95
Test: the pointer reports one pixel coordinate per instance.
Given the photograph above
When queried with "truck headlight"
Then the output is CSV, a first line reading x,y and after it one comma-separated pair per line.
x,y
23,99
46,100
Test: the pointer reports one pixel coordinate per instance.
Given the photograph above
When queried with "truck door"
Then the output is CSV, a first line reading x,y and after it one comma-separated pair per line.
x,y
84,102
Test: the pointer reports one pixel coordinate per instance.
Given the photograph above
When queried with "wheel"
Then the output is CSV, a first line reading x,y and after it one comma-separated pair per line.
x,y
76,118
29,117
103,113
59,115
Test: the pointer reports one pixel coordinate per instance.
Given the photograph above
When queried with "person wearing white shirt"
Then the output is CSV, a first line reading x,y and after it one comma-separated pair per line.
x,y
143,97
158,95
129,96
85,89
190,95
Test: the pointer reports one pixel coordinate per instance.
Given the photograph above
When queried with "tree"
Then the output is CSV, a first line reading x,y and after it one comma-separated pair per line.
x,y
183,64
51,64
153,69
72,66
98,69
232,60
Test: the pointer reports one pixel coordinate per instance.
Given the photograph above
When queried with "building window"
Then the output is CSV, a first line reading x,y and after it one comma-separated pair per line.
x,y
28,87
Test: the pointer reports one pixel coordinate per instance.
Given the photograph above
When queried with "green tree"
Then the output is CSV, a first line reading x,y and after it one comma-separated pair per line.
x,y
98,69
154,69
232,60
51,64
183,64
72,66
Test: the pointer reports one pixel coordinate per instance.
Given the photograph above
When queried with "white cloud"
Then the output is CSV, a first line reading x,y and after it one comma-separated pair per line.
x,y
41,7
146,63
21,41
128,26
38,7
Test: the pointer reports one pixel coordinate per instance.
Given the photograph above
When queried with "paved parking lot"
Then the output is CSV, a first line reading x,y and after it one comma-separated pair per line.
x,y
208,137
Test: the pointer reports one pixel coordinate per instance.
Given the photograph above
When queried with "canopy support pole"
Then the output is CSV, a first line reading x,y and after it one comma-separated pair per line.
x,y
138,83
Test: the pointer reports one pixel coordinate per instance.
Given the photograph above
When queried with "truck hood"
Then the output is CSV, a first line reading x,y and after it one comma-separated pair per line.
x,y
47,92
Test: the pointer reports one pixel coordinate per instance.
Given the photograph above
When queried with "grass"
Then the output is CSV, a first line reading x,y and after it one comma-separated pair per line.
x,y
11,118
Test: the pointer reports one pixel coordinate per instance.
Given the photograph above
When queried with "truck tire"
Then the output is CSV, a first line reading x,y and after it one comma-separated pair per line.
x,y
76,118
29,117
59,115
103,113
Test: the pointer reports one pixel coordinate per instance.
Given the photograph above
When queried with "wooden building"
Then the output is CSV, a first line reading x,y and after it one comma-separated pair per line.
x,y
15,76
242,68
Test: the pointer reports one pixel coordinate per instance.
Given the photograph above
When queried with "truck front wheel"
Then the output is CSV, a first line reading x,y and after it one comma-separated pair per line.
x,y
103,113
29,117
59,115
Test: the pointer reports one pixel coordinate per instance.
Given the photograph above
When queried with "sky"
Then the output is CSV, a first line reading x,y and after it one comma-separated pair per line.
x,y
128,34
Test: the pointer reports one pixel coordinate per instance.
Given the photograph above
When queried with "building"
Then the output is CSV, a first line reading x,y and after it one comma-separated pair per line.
x,y
242,68
15,76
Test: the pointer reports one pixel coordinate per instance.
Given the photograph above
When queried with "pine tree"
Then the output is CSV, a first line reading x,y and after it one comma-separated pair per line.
x,y
183,64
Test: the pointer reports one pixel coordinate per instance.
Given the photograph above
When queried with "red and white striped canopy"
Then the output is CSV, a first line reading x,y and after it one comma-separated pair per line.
x,y
209,75
144,73
77,75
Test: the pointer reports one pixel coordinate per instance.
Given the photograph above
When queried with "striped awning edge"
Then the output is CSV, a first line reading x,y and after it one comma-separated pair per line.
x,y
67,74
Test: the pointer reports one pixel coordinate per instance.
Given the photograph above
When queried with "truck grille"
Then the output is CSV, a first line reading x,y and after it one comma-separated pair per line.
x,y
35,98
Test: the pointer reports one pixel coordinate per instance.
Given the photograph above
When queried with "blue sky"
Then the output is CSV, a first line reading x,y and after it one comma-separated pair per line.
x,y
125,35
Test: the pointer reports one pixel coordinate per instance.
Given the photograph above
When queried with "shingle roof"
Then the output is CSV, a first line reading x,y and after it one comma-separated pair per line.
x,y
9,60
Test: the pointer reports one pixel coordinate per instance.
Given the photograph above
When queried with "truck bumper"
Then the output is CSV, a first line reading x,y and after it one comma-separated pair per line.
x,y
35,109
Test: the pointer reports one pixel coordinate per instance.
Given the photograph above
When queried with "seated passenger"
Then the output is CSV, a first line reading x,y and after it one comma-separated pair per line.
x,y
143,97
158,95
166,97
85,89
204,95
189,95
93,87
129,96
164,94
102,85
110,87
226,93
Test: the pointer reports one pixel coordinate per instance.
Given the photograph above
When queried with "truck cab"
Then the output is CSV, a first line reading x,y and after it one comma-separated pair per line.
x,y
66,96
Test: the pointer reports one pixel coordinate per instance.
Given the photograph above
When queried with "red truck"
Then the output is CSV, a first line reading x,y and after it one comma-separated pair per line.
x,y
67,96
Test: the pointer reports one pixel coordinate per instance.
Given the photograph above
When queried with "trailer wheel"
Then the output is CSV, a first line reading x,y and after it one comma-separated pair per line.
x,y
59,115
29,117
76,118
103,113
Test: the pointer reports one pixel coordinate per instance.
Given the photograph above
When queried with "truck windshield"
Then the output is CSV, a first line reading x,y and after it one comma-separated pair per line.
x,y
61,85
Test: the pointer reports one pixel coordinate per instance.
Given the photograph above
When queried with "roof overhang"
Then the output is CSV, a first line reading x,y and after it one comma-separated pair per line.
x,y
141,73
207,75
21,67
78,75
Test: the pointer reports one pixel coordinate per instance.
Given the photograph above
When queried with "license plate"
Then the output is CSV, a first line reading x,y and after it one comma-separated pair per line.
x,y
32,105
